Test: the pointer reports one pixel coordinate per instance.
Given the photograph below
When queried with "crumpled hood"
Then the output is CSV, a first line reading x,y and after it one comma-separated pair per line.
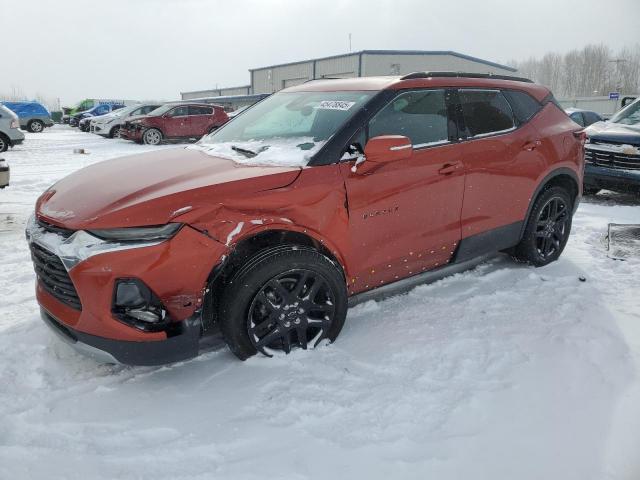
x,y
614,132
153,189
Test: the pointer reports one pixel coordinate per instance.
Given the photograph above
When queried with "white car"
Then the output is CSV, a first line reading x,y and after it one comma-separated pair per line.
x,y
4,173
109,125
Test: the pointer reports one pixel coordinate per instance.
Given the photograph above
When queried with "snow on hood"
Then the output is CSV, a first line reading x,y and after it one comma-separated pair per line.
x,y
274,152
152,188
614,132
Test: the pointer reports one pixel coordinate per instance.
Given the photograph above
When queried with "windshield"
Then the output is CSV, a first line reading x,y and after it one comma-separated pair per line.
x,y
285,129
629,115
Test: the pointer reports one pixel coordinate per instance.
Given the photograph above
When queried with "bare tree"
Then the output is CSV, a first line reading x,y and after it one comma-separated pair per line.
x,y
592,70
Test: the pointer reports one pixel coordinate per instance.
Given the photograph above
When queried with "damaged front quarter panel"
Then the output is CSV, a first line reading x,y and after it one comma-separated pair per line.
x,y
314,205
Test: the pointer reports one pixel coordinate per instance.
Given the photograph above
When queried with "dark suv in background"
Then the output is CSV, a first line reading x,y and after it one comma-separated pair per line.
x,y
612,153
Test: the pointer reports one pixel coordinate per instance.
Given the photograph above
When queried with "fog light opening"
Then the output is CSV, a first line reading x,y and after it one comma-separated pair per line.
x,y
136,305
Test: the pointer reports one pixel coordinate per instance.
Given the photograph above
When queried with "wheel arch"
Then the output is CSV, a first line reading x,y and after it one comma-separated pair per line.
x,y
250,244
561,177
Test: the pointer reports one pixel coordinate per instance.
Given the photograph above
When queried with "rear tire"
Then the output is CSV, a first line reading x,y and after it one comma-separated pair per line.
x,y
282,296
115,132
153,136
35,126
547,230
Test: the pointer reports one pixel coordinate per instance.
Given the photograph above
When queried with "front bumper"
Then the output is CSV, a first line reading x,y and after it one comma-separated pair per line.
x,y
615,179
175,270
16,137
132,132
106,350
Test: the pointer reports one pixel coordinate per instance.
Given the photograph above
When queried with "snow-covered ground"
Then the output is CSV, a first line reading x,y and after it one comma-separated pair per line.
x,y
504,372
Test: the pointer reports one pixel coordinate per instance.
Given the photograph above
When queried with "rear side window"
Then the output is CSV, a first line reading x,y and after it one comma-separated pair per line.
x,y
420,115
524,106
195,110
485,112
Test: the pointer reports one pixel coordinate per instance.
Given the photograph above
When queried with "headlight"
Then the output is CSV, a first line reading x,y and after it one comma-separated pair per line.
x,y
84,244
137,234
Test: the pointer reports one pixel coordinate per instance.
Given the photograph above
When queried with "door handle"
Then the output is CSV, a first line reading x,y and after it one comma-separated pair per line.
x,y
529,146
449,168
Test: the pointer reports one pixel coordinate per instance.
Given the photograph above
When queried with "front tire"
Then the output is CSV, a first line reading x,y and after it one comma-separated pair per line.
x,y
35,126
547,229
4,143
282,297
153,136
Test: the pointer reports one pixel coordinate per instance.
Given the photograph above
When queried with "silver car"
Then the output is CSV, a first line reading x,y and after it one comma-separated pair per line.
x,y
10,135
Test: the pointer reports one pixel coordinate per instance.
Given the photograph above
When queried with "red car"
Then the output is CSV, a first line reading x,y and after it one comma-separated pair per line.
x,y
175,122
318,197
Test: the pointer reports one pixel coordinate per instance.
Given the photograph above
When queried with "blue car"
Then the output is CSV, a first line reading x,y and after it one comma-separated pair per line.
x,y
98,110
33,116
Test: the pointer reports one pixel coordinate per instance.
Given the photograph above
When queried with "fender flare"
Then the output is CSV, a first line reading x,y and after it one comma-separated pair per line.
x,y
542,184
314,235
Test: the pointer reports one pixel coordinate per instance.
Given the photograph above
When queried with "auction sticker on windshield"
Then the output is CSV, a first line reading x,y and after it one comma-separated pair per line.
x,y
335,105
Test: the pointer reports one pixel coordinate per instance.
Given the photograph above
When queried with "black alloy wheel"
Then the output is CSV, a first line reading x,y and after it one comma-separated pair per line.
x,y
281,298
551,227
294,308
547,229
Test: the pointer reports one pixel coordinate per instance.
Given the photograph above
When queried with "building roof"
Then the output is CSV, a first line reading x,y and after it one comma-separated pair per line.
x,y
394,52
217,89
397,82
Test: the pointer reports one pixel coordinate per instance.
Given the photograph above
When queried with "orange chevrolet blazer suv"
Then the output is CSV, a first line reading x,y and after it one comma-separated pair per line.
x,y
316,198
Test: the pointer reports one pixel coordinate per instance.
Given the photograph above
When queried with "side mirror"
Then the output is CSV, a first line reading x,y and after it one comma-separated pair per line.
x,y
384,149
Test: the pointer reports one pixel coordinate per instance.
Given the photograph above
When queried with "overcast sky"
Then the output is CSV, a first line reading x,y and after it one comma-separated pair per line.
x,y
154,49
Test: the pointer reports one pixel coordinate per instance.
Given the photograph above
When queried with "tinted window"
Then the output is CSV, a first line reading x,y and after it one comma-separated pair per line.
x,y
484,112
577,117
420,115
524,106
195,110
179,111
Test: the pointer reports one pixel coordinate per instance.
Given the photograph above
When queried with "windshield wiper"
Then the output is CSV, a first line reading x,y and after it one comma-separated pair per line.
x,y
245,151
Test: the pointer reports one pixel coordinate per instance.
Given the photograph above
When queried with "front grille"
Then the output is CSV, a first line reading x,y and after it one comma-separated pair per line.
x,y
53,277
611,159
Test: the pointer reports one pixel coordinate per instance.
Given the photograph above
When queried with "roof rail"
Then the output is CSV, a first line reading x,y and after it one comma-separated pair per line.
x,y
413,75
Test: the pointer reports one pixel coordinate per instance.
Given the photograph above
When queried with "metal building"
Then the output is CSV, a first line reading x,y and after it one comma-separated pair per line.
x,y
365,63
368,63
217,92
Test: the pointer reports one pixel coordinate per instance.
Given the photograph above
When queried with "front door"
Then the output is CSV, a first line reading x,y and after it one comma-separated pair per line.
x,y
177,122
404,218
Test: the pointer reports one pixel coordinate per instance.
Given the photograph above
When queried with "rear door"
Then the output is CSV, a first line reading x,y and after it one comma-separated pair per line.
x,y
404,218
200,119
502,163
177,122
